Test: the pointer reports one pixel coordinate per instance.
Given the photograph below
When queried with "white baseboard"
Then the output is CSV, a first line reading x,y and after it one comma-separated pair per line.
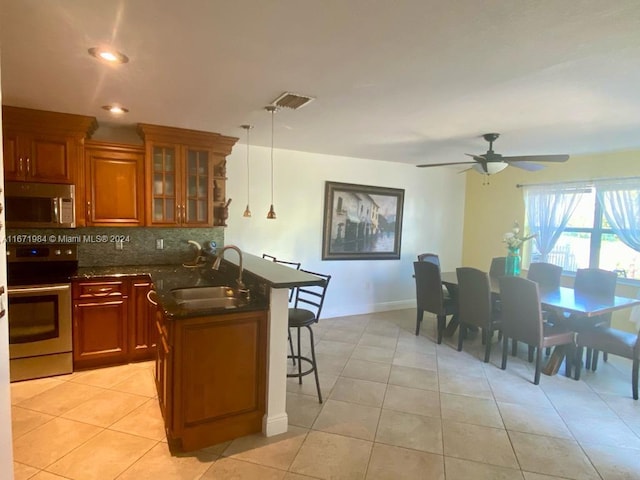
x,y
275,425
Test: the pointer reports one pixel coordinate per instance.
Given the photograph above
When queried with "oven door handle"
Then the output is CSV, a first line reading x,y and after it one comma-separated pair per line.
x,y
43,289
57,204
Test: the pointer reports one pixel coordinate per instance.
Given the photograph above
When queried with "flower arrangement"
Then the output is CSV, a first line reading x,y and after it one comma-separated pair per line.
x,y
513,239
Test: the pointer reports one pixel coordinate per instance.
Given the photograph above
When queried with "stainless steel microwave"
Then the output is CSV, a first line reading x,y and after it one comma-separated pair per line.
x,y
39,205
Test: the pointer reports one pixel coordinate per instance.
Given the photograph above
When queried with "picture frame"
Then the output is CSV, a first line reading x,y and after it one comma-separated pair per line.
x,y
362,222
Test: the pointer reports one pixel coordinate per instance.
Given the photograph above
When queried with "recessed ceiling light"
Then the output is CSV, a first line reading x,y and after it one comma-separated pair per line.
x,y
110,56
115,109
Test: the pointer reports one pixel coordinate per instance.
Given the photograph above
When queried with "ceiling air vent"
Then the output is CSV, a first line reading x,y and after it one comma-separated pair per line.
x,y
292,101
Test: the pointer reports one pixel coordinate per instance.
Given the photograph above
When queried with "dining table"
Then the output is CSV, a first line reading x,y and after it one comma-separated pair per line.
x,y
562,299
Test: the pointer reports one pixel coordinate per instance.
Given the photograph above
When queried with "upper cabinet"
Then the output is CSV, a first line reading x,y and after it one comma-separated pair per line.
x,y
185,180
109,168
43,146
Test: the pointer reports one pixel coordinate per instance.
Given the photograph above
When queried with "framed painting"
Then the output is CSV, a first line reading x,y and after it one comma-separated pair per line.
x,y
361,222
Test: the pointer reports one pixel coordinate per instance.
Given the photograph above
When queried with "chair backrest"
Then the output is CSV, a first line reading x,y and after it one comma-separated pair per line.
x,y
295,265
546,275
429,257
311,297
474,296
595,281
429,296
497,267
521,310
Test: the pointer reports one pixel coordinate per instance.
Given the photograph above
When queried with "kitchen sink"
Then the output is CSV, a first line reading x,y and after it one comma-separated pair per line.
x,y
204,298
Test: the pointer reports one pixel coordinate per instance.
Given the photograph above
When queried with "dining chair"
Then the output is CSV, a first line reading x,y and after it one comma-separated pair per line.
x,y
475,307
615,342
522,321
429,257
430,297
496,270
546,275
599,283
304,313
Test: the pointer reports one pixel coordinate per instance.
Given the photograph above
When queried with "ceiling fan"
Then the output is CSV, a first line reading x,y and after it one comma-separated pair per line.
x,y
492,162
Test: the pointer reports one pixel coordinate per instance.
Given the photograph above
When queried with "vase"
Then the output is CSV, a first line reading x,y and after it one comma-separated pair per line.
x,y
512,263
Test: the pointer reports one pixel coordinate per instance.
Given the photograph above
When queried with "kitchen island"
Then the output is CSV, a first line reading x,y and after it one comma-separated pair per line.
x,y
220,373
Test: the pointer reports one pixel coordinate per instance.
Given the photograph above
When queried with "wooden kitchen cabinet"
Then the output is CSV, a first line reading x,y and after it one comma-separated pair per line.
x,y
100,320
211,377
113,322
42,146
143,335
185,180
114,184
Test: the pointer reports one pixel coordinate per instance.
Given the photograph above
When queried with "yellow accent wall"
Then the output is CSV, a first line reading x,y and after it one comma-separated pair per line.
x,y
490,209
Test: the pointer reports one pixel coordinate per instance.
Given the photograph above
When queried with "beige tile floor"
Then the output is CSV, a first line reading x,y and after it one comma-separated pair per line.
x,y
396,406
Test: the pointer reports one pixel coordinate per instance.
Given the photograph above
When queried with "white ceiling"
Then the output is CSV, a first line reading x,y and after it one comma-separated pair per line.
x,y
413,81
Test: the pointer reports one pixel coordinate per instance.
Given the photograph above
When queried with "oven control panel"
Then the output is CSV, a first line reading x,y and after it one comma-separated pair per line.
x,y
39,253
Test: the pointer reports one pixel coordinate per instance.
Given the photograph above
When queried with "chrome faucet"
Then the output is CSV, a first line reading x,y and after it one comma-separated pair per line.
x,y
219,256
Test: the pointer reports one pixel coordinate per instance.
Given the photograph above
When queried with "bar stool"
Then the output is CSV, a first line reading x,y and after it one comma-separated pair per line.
x,y
312,298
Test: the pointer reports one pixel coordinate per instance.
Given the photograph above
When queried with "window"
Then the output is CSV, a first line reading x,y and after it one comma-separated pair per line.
x,y
588,240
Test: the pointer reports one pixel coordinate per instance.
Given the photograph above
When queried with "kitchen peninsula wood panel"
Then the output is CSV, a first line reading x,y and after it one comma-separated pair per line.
x,y
211,377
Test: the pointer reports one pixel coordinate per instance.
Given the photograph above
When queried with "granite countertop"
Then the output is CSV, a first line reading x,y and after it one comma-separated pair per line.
x,y
258,274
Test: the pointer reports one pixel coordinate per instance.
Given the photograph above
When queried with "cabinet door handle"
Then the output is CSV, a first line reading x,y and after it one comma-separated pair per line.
x,y
20,165
28,165
89,210
152,302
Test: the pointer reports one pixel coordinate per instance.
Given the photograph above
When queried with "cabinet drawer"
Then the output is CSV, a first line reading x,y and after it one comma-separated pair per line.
x,y
99,289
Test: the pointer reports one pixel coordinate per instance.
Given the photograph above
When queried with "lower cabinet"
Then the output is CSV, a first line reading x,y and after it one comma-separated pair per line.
x,y
111,322
211,377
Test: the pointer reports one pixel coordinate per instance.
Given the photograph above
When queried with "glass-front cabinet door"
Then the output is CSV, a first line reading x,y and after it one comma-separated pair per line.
x,y
198,187
165,207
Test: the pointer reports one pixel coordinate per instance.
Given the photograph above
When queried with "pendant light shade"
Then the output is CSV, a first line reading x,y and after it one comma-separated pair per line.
x,y
271,215
247,211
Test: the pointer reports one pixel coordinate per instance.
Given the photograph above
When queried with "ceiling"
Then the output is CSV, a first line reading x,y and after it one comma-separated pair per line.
x,y
414,81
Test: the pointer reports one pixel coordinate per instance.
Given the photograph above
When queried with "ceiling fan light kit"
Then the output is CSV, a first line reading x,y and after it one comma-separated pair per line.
x,y
491,162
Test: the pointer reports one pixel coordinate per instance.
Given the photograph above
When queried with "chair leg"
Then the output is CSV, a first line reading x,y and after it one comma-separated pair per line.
x,y
530,353
514,347
594,360
547,351
587,362
299,360
419,320
536,378
569,358
315,365
634,378
578,363
487,348
293,358
505,351
462,332
605,356
442,321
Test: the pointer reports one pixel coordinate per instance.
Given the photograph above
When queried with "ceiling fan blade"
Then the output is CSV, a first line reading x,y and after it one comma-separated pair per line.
x,y
537,158
531,167
444,164
477,158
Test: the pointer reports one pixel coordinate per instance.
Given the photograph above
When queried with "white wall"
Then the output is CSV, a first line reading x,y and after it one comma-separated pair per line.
x,y
433,221
6,445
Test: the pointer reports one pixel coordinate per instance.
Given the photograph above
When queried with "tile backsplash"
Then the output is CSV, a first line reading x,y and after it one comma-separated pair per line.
x,y
97,246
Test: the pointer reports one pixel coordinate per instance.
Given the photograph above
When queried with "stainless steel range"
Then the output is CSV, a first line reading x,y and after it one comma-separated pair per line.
x,y
39,287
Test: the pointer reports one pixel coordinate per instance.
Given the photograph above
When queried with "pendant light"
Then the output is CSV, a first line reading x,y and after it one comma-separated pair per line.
x,y
247,211
271,215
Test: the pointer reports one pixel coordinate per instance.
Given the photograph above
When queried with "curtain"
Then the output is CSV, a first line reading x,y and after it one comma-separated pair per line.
x,y
620,202
548,209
